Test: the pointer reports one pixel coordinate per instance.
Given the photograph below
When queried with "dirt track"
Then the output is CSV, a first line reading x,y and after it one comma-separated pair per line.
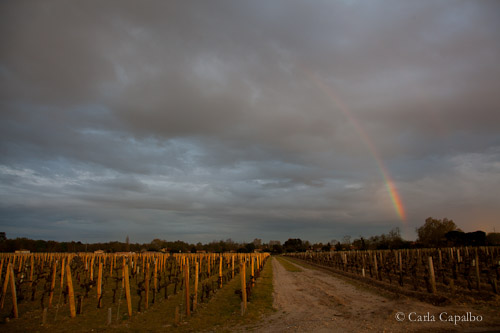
x,y
315,301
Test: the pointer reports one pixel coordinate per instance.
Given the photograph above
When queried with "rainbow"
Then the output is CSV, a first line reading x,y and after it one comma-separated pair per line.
x,y
389,183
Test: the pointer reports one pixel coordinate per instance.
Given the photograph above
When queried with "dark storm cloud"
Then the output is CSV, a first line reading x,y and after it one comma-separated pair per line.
x,y
200,116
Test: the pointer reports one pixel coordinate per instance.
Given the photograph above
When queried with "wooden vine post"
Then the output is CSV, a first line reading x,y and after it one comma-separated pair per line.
x,y
432,278
99,285
123,271
63,268
195,300
208,265
363,265
53,283
127,291
375,266
111,267
147,286
252,276
13,292
5,284
478,281
186,289
20,264
144,265
232,267
220,271
71,292
9,277
155,282
400,268
243,286
1,268
32,264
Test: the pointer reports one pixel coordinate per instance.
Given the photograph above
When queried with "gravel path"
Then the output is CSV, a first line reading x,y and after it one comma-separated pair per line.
x,y
315,301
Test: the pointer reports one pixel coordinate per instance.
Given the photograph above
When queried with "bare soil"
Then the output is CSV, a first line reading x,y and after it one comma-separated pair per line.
x,y
317,301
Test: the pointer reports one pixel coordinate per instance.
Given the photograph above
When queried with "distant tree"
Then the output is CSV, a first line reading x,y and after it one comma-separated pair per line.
x,y
246,248
274,242
127,246
455,238
277,249
394,239
476,238
53,246
250,247
359,244
460,238
432,233
294,245
231,245
257,242
214,246
493,238
156,245
64,247
40,246
177,246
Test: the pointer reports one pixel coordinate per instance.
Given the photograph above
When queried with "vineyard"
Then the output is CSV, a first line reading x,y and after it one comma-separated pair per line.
x,y
435,274
61,291
111,288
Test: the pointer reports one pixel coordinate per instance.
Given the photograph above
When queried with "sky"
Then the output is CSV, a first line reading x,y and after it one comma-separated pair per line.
x,y
209,120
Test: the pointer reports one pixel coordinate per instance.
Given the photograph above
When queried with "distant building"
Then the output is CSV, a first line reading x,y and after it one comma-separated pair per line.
x,y
99,252
22,251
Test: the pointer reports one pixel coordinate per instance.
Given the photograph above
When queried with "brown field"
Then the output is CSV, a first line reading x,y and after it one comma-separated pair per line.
x,y
360,291
118,291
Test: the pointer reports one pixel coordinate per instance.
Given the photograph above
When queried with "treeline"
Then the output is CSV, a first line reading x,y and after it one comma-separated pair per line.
x,y
432,234
11,245
392,240
445,233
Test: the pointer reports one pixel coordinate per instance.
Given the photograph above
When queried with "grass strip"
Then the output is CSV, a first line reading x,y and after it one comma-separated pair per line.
x,y
288,265
223,311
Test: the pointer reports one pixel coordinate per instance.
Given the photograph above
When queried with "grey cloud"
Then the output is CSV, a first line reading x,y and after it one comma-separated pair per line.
x,y
200,115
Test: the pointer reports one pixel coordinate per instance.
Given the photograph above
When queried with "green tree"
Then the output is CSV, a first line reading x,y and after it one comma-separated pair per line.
x,y
432,233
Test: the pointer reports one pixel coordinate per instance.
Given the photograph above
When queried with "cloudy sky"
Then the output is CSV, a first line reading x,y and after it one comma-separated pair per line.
x,y
208,120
